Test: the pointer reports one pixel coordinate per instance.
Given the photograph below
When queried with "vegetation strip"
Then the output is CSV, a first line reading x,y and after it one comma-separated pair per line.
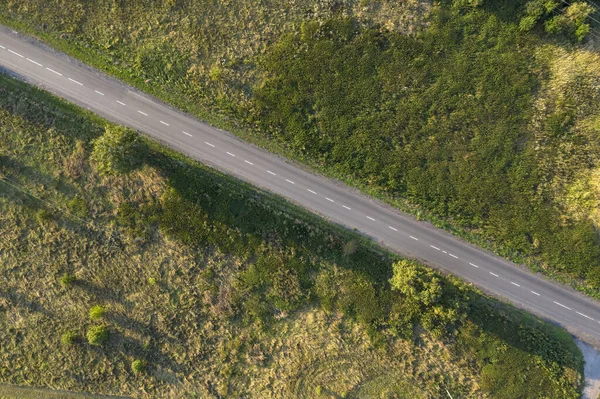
x,y
187,269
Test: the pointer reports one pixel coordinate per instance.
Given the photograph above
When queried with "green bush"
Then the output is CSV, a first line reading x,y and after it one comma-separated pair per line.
x,y
422,118
97,335
66,280
138,366
43,216
97,312
69,338
78,207
118,151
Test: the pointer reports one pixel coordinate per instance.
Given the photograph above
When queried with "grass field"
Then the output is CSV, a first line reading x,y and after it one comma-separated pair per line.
x,y
172,280
494,102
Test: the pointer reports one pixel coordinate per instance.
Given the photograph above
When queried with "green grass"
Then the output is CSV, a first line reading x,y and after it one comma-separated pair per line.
x,y
223,290
508,162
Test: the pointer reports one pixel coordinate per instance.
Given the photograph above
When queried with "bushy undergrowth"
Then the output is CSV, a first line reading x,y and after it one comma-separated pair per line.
x,y
453,107
220,290
443,119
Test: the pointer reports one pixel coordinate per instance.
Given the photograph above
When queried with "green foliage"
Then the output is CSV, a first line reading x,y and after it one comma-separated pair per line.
x,y
118,151
350,292
138,366
221,248
78,207
44,216
183,220
425,299
138,220
441,116
423,118
570,21
66,280
97,335
97,312
69,338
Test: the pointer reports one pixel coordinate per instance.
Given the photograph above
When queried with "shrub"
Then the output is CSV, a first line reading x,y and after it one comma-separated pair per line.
x,y
118,151
69,338
78,207
138,366
350,247
43,216
66,280
97,335
97,312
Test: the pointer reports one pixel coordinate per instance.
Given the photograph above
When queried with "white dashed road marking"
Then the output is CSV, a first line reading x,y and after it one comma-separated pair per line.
x,y
36,63
15,53
2,47
53,71
289,181
584,315
560,304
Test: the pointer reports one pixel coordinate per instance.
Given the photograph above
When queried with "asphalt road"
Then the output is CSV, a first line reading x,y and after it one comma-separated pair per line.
x,y
118,102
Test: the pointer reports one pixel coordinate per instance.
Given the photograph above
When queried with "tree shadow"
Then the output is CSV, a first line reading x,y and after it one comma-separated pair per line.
x,y
18,300
257,213
101,294
15,171
38,108
524,331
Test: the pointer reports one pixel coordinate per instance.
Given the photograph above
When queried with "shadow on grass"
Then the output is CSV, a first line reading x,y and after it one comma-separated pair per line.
x,y
46,111
259,214
524,331
238,206
18,300
15,171
266,217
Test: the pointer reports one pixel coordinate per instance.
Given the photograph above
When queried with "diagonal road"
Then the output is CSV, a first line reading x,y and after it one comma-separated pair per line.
x,y
120,103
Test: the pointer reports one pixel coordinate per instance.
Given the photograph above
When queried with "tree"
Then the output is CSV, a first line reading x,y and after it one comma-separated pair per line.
x,y
416,283
118,151
570,22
